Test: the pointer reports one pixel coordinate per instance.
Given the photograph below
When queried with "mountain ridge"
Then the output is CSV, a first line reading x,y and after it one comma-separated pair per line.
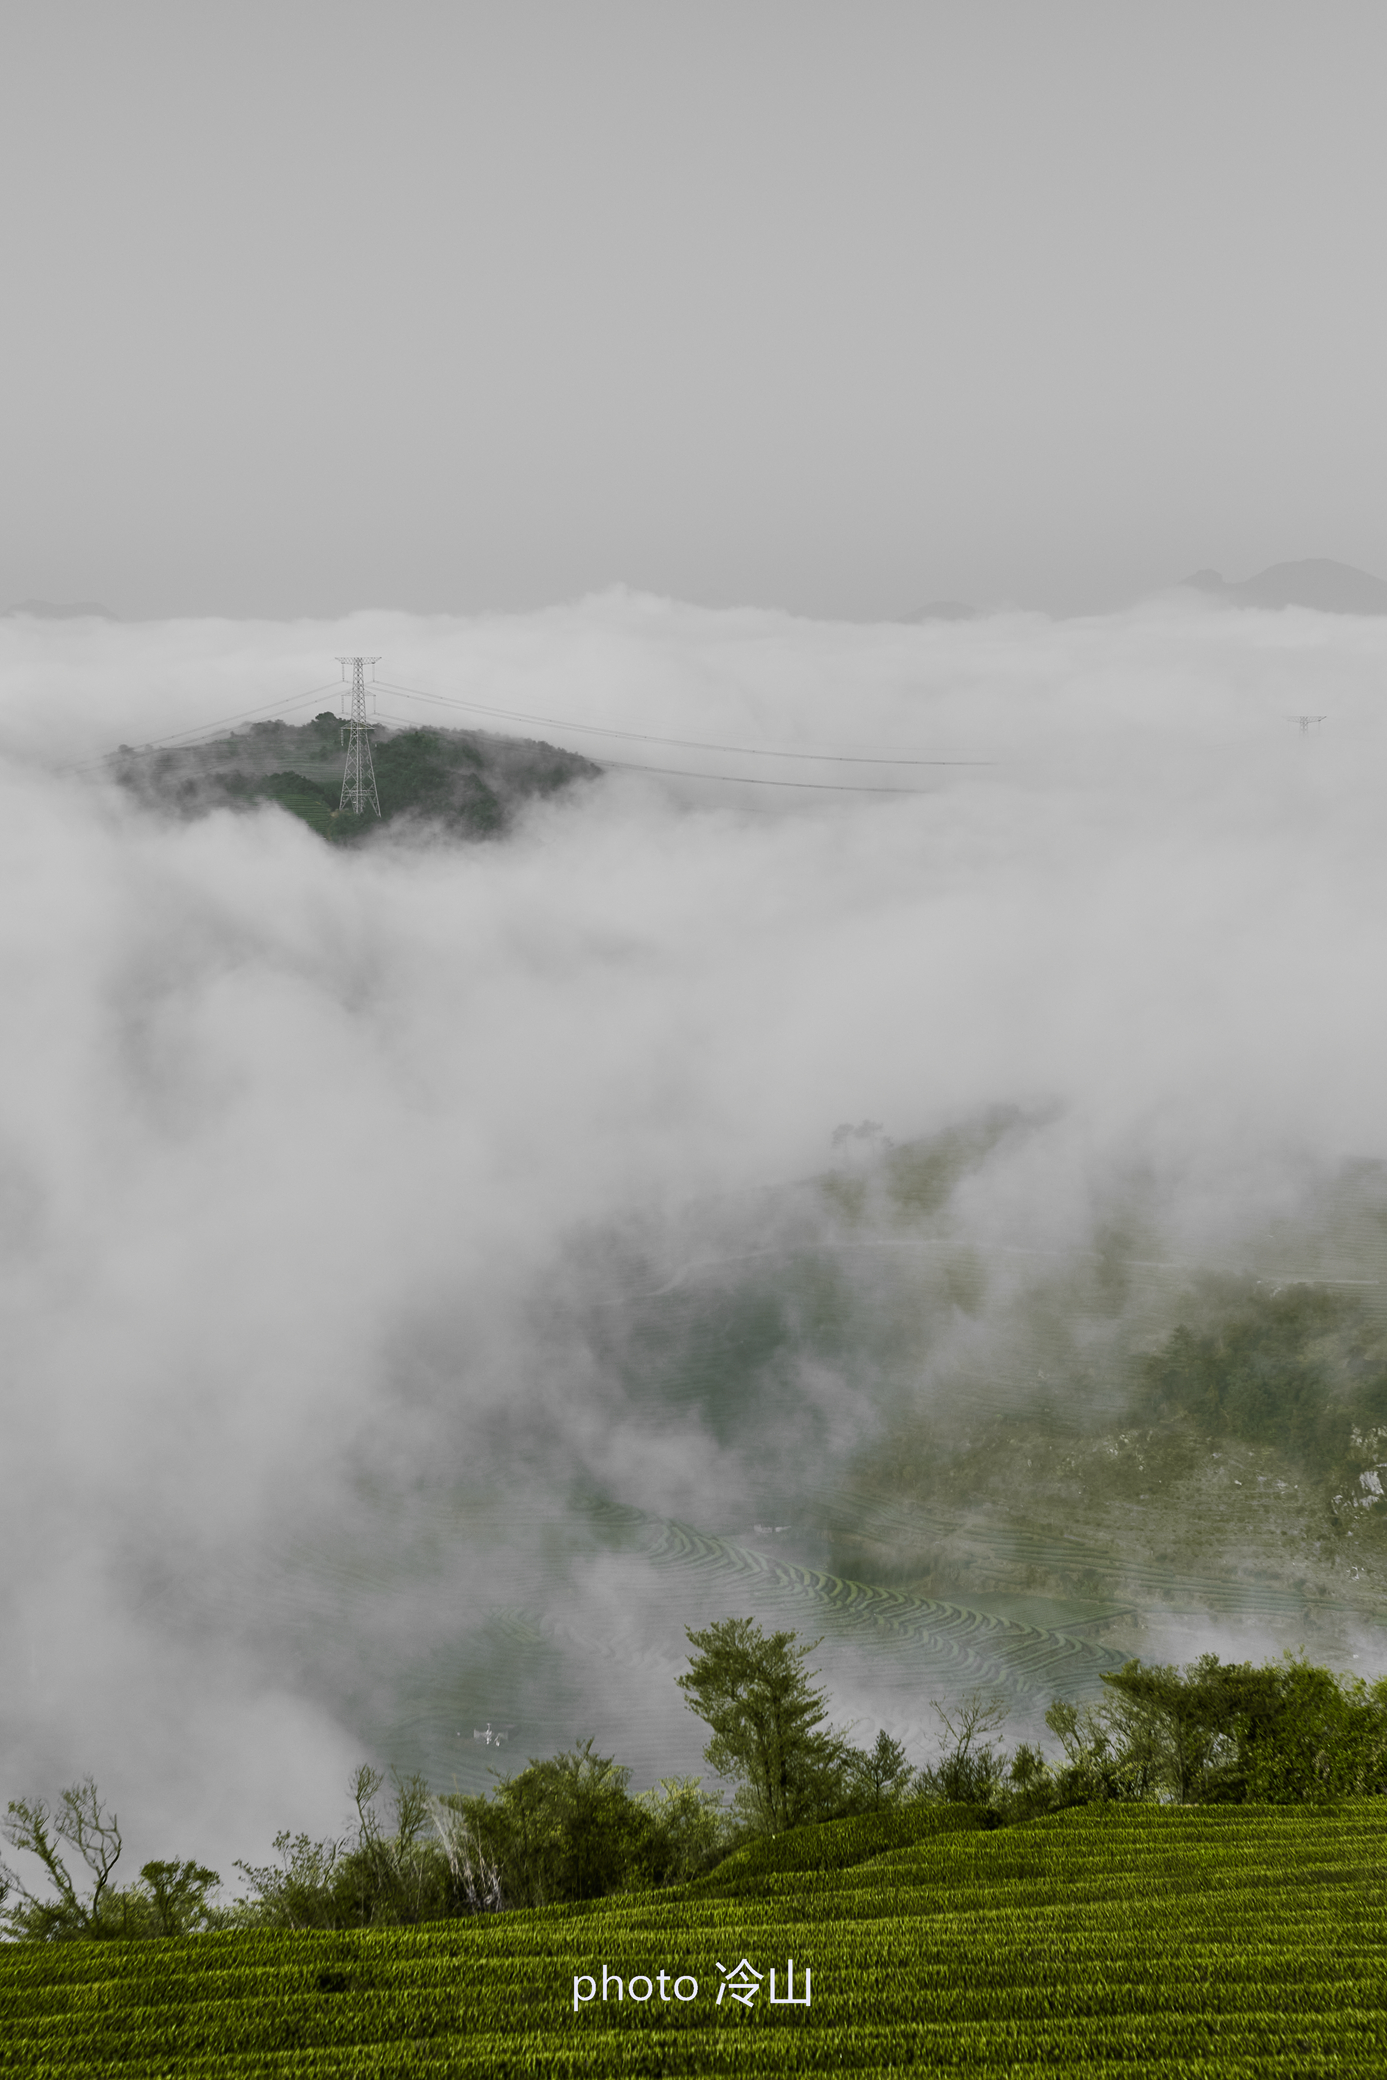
x,y
1317,582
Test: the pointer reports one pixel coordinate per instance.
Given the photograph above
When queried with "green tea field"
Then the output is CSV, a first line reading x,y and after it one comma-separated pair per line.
x,y
1108,1941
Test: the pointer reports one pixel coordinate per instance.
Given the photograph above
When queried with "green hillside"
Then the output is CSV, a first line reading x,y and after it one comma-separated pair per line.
x,y
1130,1940
468,782
1022,1473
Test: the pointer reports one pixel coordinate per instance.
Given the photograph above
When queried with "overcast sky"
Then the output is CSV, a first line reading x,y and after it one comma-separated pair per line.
x,y
842,308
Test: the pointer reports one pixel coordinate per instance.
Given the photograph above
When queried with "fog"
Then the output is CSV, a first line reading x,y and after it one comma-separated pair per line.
x,y
319,1167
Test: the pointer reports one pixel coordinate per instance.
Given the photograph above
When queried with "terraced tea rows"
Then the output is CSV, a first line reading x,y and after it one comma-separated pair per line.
x,y
532,1666
955,1646
1122,1941
447,1666
904,1526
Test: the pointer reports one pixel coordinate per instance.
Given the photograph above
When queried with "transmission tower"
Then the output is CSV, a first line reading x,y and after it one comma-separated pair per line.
x,y
359,780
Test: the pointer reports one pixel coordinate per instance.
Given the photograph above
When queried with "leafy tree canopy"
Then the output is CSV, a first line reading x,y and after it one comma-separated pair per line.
x,y
769,1723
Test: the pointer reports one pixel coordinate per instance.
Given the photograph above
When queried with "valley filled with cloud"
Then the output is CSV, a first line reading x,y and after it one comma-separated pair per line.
x,y
435,1268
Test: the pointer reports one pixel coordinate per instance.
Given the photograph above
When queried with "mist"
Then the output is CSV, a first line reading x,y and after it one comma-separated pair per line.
x,y
321,1174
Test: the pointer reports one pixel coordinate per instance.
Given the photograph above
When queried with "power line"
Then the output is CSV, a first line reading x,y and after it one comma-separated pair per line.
x,y
206,728
594,729
209,729
626,765
366,776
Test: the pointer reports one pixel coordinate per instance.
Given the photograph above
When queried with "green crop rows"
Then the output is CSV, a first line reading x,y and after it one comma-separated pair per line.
x,y
1122,1940
960,1641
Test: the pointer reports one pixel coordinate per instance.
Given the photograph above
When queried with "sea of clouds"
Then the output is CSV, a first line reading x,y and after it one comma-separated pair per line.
x,y
295,1141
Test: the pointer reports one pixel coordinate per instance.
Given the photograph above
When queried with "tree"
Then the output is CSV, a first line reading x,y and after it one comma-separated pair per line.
x,y
598,1829
969,1768
1030,1788
394,1878
1302,1735
688,1830
84,1825
769,1723
178,1896
565,1828
81,1822
1220,1732
1284,1733
475,1880
170,1899
385,1878
299,1892
880,1775
1113,1750
1181,1718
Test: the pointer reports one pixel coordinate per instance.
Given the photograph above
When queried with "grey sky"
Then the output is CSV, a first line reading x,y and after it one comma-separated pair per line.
x,y
841,308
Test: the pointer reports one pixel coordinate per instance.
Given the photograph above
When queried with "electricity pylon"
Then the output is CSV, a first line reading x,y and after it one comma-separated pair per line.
x,y
359,780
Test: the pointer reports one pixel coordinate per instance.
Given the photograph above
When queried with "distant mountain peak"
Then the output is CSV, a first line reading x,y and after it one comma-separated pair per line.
x,y
1317,582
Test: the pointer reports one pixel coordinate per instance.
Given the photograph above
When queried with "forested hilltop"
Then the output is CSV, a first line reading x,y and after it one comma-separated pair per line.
x,y
468,782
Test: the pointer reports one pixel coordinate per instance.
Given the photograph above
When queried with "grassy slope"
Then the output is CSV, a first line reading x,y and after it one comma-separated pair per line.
x,y
1197,1941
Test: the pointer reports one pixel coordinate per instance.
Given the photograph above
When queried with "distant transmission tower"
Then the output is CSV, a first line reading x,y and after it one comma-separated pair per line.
x,y
359,780
1307,721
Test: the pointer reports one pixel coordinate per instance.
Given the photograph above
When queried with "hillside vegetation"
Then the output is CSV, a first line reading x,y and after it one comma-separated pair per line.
x,y
468,782
1117,1940
966,1465
1237,1467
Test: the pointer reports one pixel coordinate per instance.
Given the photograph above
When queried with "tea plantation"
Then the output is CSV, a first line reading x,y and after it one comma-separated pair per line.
x,y
1189,1941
